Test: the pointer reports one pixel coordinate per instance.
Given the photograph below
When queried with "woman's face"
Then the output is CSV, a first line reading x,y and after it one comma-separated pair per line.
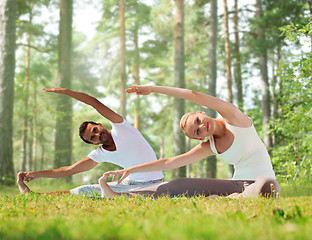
x,y
199,126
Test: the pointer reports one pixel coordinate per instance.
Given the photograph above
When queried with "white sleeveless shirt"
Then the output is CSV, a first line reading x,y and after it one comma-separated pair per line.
x,y
247,153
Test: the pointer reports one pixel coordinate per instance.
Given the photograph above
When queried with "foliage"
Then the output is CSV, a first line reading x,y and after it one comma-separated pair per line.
x,y
96,72
293,157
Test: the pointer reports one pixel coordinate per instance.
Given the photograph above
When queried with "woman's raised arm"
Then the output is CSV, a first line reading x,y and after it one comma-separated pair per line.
x,y
227,110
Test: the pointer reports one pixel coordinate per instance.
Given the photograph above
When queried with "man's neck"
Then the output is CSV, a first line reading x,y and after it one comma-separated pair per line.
x,y
110,145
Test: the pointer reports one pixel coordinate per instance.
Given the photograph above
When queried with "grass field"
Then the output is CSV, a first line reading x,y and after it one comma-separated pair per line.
x,y
36,216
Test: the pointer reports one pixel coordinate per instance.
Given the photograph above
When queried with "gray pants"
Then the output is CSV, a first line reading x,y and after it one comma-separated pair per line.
x,y
264,186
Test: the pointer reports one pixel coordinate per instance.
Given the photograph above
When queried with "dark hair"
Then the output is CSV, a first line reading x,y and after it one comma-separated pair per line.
x,y
82,130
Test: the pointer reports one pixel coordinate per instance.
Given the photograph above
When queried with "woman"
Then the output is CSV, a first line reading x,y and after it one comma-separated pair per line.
x,y
232,136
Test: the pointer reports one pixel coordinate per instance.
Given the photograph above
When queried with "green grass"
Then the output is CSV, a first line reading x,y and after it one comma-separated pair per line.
x,y
35,216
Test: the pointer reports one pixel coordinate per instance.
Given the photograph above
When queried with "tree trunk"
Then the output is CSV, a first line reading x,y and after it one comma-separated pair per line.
x,y
227,53
24,158
30,148
35,128
274,90
228,64
211,166
123,77
264,80
162,147
179,81
8,10
136,73
237,72
310,20
63,138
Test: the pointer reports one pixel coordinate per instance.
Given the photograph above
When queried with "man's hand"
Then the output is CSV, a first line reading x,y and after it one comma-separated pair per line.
x,y
55,90
140,90
123,173
26,176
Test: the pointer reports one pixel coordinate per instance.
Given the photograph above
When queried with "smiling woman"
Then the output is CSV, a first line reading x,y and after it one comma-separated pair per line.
x,y
197,125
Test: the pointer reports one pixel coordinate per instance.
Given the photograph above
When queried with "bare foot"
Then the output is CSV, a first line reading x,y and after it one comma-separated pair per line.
x,y
214,196
21,185
106,191
234,195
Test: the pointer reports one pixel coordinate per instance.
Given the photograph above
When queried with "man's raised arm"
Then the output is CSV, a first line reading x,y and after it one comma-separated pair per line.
x,y
85,98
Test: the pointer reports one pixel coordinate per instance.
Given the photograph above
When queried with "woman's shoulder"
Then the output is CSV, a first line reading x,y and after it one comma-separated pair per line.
x,y
239,119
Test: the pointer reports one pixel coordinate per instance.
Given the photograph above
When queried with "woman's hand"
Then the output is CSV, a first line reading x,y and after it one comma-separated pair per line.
x,y
55,90
123,173
139,90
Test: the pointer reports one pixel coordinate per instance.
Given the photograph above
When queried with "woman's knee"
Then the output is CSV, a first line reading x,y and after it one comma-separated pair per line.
x,y
269,187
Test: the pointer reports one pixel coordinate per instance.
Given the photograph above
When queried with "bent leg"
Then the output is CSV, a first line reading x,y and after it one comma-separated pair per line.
x,y
194,187
263,186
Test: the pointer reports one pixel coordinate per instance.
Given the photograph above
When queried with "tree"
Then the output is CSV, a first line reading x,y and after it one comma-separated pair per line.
x,y
211,170
26,94
228,62
63,138
227,53
179,81
264,79
293,159
123,77
237,68
7,68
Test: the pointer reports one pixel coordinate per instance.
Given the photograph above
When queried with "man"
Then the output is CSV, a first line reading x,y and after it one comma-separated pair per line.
x,y
123,145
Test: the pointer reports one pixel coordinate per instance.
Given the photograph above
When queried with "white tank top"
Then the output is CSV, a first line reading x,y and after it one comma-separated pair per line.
x,y
247,153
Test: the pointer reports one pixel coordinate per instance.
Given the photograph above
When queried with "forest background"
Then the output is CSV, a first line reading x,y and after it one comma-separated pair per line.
x,y
256,54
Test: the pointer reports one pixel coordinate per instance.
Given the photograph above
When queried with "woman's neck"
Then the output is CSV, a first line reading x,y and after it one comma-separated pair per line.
x,y
220,128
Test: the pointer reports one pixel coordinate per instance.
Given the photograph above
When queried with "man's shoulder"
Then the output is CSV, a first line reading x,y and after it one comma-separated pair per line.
x,y
123,124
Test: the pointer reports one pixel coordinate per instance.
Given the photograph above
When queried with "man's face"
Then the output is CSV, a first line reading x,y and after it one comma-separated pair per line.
x,y
96,134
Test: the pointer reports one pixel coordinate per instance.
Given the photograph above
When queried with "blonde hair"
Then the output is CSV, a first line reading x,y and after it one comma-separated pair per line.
x,y
184,120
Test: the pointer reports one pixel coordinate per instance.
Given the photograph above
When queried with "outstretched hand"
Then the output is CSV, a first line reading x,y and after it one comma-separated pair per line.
x,y
139,90
25,176
122,173
55,90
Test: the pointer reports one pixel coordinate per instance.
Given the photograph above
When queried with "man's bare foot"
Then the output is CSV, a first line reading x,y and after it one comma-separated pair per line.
x,y
106,191
21,185
234,195
214,196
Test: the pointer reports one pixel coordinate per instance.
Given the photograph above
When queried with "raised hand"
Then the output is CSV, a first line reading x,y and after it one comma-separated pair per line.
x,y
55,90
139,90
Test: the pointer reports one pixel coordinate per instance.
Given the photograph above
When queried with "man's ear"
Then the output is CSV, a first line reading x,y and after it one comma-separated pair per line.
x,y
202,113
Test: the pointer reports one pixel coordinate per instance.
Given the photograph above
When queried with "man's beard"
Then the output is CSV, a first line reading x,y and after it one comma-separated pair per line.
x,y
104,137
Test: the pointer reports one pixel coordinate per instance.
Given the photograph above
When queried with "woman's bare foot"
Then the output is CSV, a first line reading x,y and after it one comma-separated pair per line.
x,y
21,185
106,191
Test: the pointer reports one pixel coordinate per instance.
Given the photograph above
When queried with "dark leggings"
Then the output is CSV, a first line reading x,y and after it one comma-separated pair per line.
x,y
208,186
